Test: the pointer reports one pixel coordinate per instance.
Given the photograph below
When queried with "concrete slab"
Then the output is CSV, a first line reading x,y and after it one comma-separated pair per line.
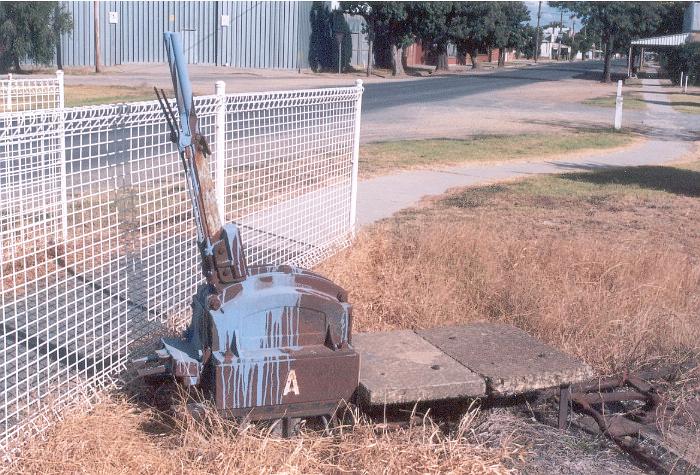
x,y
511,361
401,367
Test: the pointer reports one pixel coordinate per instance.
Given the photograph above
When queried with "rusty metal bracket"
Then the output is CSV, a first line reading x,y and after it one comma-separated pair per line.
x,y
610,403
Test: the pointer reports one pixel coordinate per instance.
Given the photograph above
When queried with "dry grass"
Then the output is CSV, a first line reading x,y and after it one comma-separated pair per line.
x,y
118,437
604,266
82,95
385,157
87,95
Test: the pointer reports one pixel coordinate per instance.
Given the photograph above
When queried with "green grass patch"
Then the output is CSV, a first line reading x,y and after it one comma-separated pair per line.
x,y
607,185
632,100
384,157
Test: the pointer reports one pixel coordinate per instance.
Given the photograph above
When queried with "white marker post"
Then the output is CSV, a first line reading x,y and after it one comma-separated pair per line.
x,y
685,87
618,107
681,83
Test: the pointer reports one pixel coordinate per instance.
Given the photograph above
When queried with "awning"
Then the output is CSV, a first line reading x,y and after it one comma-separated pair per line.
x,y
668,40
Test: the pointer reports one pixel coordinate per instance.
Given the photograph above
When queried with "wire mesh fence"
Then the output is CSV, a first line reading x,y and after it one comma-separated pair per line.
x,y
96,233
17,95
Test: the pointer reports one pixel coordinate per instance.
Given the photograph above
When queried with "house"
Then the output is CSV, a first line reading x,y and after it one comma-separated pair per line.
x,y
416,54
552,40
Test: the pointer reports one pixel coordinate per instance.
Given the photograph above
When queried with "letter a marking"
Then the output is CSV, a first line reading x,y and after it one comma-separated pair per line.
x,y
292,386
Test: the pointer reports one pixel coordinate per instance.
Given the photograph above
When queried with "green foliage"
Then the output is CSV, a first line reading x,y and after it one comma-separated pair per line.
x,y
685,59
340,25
387,19
509,20
433,24
482,25
527,47
323,45
468,25
618,23
30,31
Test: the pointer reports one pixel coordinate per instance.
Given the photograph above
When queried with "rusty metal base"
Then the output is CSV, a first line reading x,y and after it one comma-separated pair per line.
x,y
298,410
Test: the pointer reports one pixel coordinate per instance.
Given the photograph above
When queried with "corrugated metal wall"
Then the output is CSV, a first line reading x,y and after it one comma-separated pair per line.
x,y
258,35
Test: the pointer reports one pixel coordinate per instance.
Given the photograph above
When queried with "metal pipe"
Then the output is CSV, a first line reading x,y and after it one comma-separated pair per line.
x,y
355,160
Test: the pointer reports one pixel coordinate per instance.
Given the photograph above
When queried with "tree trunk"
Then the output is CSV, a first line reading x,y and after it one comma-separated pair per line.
x,y
608,59
442,62
474,58
396,65
15,61
490,55
501,58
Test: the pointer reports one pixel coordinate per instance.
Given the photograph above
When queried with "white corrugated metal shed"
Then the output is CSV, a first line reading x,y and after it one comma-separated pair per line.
x,y
668,40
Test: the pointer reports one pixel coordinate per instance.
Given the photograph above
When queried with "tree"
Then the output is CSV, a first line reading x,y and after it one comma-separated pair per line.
x,y
508,27
433,26
321,41
369,29
390,21
684,59
323,44
473,23
340,25
617,23
30,30
530,36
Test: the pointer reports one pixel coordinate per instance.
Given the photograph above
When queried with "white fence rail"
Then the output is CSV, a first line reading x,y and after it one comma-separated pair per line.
x,y
96,235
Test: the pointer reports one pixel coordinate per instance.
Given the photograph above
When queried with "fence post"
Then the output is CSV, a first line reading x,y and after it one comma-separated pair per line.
x,y
62,156
618,106
8,103
355,159
220,148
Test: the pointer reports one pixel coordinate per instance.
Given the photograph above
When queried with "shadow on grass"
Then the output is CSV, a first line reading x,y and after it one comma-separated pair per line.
x,y
649,131
673,93
669,179
671,104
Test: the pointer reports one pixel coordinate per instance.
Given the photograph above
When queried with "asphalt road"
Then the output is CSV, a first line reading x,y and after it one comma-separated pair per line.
x,y
446,88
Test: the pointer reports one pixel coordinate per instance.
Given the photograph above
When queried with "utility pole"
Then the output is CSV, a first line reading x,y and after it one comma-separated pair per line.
x,y
59,52
537,32
370,35
561,33
572,35
96,22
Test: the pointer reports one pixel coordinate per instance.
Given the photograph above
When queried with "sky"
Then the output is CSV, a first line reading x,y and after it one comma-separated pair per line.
x,y
549,15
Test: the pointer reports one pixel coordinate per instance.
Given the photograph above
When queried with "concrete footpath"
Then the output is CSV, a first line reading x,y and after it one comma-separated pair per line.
x,y
668,140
